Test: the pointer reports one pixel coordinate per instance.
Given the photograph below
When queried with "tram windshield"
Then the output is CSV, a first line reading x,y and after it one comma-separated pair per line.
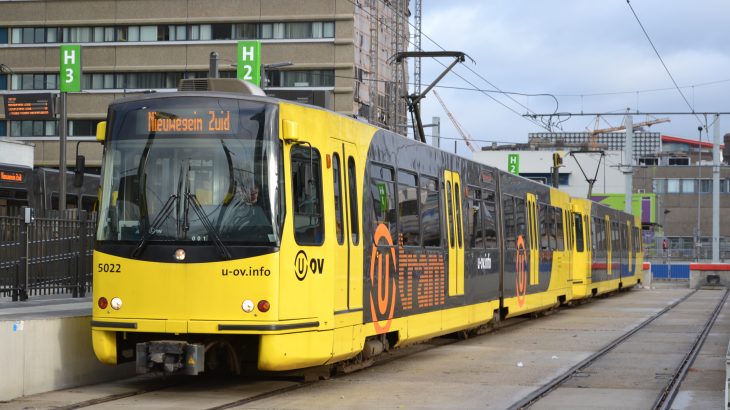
x,y
193,169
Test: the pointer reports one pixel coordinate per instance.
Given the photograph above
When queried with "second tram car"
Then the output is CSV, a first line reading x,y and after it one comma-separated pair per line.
x,y
240,231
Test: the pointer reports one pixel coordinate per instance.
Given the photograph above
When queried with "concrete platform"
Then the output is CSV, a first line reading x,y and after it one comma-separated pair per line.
x,y
45,345
490,371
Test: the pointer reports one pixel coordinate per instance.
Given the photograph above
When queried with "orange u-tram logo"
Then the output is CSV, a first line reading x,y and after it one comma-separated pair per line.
x,y
383,288
521,275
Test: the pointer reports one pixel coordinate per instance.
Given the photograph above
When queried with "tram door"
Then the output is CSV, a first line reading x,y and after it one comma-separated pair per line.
x,y
534,239
629,246
609,244
347,292
454,231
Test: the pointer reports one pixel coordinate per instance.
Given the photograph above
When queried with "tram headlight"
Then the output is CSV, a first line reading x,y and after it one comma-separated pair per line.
x,y
247,305
180,254
116,303
102,303
264,306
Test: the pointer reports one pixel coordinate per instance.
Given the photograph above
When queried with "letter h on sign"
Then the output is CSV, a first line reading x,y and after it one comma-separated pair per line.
x,y
70,72
249,62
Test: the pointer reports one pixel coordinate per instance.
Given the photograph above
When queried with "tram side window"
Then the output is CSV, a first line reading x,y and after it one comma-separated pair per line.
x,y
381,191
430,211
472,219
409,221
508,206
588,231
521,219
307,198
544,212
578,233
338,197
457,206
489,217
352,187
559,230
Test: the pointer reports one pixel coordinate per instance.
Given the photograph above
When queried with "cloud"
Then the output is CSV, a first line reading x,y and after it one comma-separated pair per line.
x,y
572,48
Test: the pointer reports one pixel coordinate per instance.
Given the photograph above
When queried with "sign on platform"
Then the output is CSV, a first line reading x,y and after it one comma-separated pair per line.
x,y
513,164
249,62
70,75
34,106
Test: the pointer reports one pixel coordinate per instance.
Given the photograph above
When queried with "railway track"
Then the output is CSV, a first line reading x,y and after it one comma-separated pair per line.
x,y
595,370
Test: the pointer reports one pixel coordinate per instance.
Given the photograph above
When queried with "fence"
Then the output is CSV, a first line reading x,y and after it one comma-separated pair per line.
x,y
667,271
49,254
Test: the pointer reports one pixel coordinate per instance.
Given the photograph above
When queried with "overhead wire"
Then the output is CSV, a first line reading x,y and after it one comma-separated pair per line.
x,y
474,87
691,108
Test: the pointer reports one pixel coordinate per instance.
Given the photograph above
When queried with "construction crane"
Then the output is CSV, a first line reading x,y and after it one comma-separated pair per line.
x,y
636,124
468,139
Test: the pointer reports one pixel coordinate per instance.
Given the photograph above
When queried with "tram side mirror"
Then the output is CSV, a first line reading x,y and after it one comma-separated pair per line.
x,y
79,171
101,131
290,131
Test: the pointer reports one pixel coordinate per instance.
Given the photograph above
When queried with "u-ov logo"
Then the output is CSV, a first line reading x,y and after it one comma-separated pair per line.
x,y
382,291
301,265
521,276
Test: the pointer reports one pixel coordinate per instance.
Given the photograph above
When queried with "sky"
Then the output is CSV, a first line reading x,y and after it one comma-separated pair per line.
x,y
591,55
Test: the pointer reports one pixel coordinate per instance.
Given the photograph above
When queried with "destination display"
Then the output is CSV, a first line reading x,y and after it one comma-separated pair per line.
x,y
189,122
35,106
11,176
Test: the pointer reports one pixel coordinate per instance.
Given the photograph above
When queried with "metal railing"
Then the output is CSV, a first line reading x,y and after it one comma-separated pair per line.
x,y
46,255
703,253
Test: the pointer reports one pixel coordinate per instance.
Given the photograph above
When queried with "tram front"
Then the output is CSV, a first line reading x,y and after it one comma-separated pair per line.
x,y
189,228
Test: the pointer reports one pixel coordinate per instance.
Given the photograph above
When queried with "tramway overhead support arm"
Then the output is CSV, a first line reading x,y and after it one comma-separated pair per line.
x,y
414,100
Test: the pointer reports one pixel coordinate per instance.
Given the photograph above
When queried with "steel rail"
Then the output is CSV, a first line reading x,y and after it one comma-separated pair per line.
x,y
553,384
666,398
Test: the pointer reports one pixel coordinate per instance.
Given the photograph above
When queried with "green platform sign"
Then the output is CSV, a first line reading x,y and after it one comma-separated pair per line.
x,y
513,164
70,73
249,62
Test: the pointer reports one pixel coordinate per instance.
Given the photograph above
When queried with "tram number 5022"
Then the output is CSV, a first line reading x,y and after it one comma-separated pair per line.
x,y
109,267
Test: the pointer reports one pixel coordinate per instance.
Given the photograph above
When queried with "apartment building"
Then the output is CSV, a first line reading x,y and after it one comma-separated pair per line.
x,y
340,53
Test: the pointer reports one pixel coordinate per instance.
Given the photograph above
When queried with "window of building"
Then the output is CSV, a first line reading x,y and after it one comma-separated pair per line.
x,y
307,196
659,186
649,161
688,185
705,186
678,161
32,128
134,33
246,31
221,31
673,186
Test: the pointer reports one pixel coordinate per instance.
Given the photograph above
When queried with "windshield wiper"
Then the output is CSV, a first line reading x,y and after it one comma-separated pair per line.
x,y
198,209
192,200
155,225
